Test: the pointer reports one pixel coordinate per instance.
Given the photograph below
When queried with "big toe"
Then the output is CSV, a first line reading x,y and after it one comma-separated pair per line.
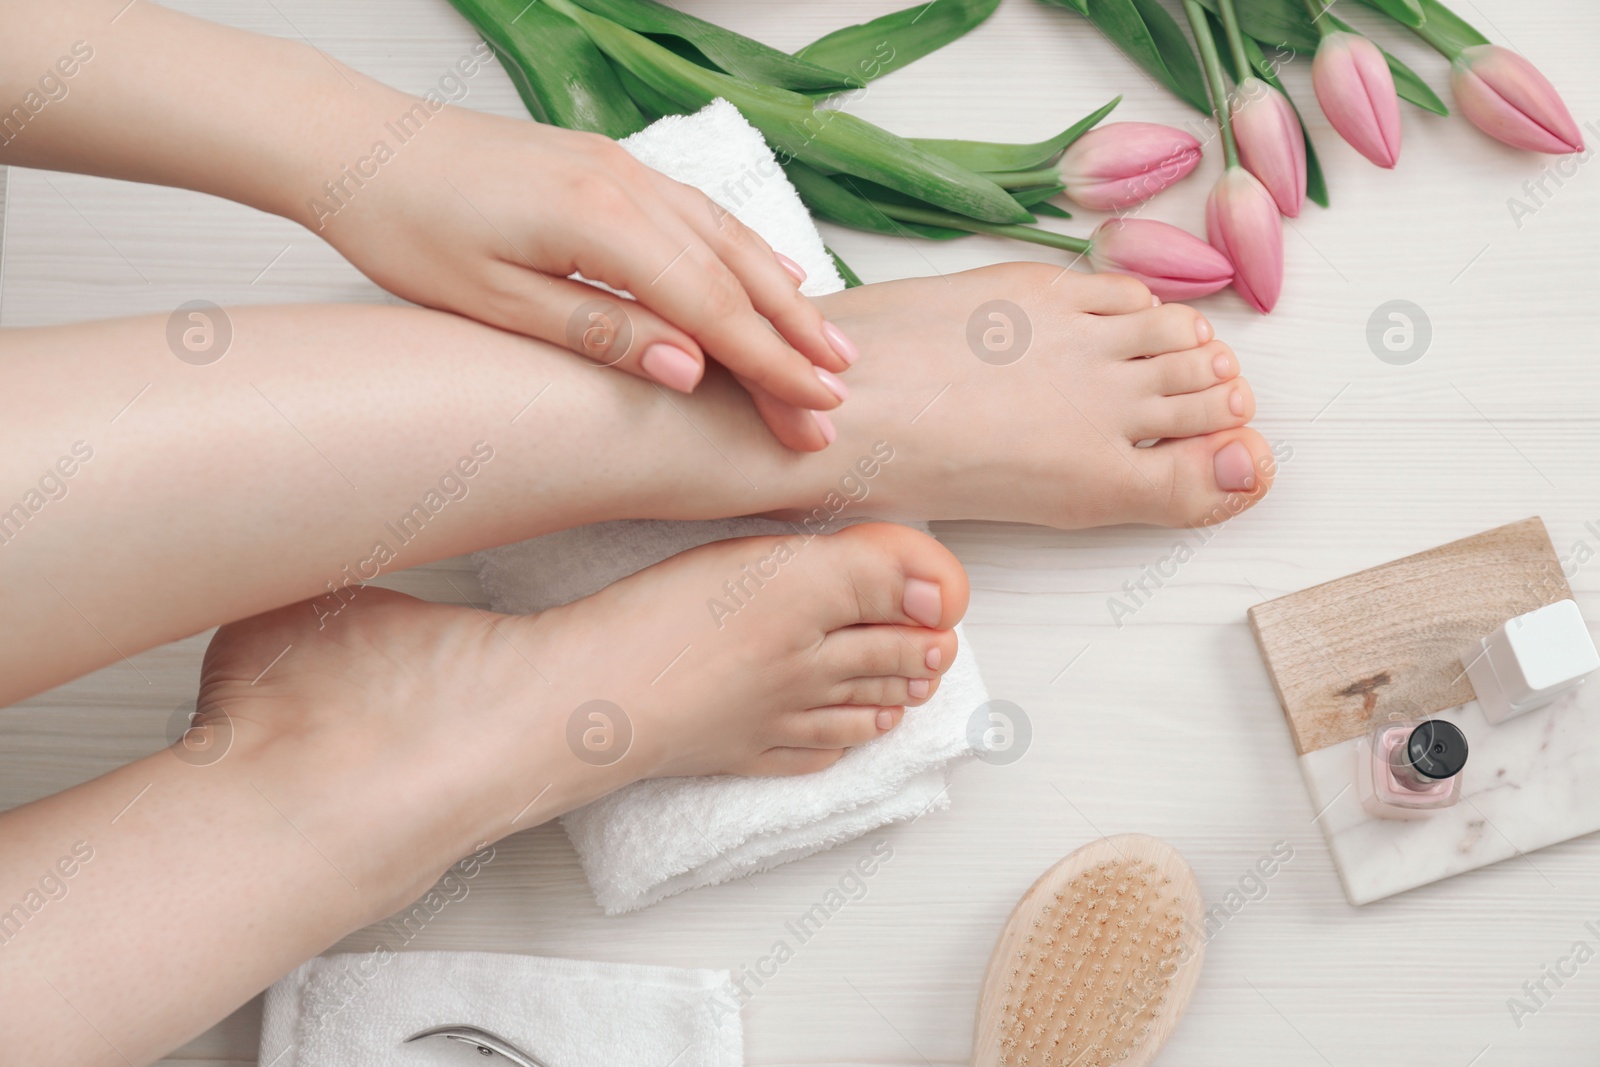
x,y
886,573
1201,481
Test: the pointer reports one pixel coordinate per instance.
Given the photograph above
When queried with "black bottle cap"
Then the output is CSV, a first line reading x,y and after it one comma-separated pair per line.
x,y
1436,749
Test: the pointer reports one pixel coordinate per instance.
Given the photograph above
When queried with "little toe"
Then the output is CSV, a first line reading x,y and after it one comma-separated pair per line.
x,y
1177,373
1155,330
1200,481
1220,407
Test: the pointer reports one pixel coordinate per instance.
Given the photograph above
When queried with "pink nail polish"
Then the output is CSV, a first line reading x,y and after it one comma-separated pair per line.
x,y
1202,329
671,366
835,386
825,424
1223,366
1155,301
1405,770
796,271
1234,469
885,719
917,688
934,657
841,344
1236,403
923,601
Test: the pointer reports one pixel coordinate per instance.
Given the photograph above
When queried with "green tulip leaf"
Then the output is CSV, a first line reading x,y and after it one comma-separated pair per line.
x,y
987,156
872,49
1149,36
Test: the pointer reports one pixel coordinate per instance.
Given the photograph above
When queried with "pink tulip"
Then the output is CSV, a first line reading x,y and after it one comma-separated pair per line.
x,y
1271,145
1243,224
1507,98
1175,264
1357,94
1126,162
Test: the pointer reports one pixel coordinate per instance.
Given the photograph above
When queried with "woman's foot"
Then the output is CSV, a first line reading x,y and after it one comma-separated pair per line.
x,y
761,655
1018,392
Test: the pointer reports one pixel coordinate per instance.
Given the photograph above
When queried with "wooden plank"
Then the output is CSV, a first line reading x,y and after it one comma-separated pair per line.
x,y
1387,642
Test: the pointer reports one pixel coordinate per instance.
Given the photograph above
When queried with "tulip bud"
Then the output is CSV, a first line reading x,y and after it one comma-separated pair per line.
x,y
1243,224
1123,163
1357,94
1507,98
1271,145
1174,264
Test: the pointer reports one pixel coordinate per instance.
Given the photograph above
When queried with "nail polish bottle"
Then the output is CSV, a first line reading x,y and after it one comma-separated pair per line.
x,y
1407,770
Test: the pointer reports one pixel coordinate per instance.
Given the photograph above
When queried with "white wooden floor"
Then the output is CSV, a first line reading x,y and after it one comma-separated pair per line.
x,y
1165,725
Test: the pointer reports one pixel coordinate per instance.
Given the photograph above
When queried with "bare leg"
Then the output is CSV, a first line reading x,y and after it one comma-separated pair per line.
x,y
330,444
382,749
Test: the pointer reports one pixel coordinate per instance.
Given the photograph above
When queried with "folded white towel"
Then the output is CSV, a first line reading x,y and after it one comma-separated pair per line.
x,y
355,1010
656,838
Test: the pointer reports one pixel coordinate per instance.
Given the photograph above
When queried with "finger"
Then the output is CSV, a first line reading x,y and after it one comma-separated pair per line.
x,y
769,284
794,427
668,268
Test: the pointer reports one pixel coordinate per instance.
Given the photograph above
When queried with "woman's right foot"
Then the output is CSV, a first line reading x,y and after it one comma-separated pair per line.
x,y
1019,392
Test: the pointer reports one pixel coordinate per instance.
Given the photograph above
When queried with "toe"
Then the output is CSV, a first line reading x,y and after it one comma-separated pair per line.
x,y
883,651
1155,330
1220,407
1200,481
842,726
885,573
884,691
1177,373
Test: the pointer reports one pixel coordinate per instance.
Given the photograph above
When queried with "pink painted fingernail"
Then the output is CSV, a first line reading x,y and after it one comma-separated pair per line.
x,y
835,386
1155,301
1236,403
796,271
671,366
885,719
917,688
1222,365
1202,329
1234,469
841,344
923,601
934,657
825,424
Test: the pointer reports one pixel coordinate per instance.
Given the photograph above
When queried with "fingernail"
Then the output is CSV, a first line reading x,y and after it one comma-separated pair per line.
x,y
1223,366
825,424
795,270
885,719
917,688
1202,329
923,601
1155,301
835,386
671,366
1234,469
1236,403
934,657
841,344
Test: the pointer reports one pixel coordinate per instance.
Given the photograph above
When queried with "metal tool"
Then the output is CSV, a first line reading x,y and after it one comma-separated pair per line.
x,y
483,1041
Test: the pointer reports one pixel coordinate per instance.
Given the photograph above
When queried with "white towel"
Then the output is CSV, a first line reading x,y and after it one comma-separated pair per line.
x,y
355,1010
656,838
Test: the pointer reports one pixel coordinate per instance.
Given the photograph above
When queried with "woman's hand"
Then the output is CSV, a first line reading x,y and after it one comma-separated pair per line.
x,y
486,217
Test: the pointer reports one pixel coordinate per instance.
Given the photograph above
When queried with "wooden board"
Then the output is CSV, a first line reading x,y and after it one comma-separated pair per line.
x,y
1350,652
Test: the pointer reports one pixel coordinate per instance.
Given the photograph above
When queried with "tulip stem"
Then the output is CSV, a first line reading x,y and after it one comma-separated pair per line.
x,y
1230,30
1316,9
1023,179
1212,62
1031,234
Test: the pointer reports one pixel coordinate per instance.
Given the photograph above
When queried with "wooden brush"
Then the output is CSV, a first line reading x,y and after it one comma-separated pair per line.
x,y
1097,961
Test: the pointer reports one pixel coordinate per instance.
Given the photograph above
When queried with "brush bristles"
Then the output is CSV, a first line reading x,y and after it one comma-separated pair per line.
x,y
1093,971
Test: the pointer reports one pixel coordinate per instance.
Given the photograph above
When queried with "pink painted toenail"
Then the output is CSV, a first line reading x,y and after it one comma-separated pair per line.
x,y
796,271
885,719
1236,403
1223,366
1202,329
1234,468
835,386
841,344
923,601
671,366
825,424
917,688
934,657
